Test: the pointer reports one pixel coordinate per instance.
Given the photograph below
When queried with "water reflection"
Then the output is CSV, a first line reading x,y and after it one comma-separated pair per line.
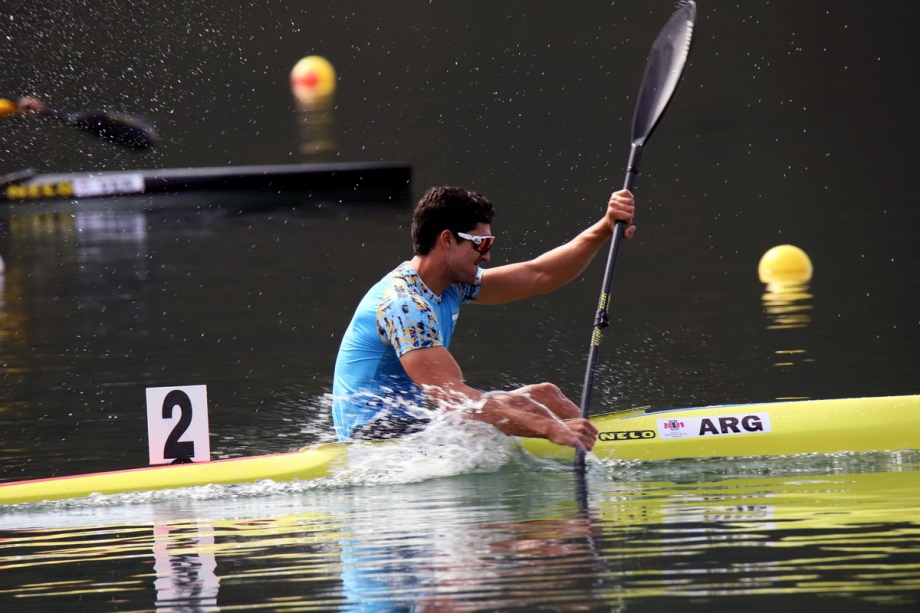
x,y
185,565
787,304
516,538
422,553
95,262
316,127
825,536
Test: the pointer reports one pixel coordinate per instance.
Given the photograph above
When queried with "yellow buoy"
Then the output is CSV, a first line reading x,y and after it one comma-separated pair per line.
x,y
312,77
785,263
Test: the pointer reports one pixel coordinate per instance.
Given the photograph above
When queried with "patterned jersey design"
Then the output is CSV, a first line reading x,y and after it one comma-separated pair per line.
x,y
406,317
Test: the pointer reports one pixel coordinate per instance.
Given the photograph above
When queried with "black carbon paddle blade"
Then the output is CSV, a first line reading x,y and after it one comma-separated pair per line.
x,y
120,129
663,71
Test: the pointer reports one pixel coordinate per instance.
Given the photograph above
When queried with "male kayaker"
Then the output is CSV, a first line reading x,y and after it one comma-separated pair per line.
x,y
395,351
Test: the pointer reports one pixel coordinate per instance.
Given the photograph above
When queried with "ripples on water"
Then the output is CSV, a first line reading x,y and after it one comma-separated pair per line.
x,y
502,531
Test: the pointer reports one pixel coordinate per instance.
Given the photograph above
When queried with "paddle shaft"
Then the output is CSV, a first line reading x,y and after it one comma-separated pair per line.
x,y
663,71
601,317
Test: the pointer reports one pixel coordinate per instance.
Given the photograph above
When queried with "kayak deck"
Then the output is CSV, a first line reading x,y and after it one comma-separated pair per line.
x,y
766,429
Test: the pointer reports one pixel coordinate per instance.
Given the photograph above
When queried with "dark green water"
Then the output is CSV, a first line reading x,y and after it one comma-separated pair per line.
x,y
794,125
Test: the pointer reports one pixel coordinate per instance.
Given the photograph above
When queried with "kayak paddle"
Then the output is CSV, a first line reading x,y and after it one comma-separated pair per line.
x,y
663,71
120,129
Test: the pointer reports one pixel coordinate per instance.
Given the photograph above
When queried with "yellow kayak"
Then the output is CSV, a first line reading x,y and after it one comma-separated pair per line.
x,y
768,429
309,463
888,423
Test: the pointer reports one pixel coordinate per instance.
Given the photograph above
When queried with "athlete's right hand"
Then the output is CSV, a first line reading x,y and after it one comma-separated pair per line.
x,y
576,433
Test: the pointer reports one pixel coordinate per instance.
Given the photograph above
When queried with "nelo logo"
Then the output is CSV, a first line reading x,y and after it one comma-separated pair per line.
x,y
628,435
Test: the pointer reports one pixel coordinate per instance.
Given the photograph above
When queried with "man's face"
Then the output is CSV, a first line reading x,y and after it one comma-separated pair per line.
x,y
465,260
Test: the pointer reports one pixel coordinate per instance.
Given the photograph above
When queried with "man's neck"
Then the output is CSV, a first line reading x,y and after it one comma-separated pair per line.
x,y
431,273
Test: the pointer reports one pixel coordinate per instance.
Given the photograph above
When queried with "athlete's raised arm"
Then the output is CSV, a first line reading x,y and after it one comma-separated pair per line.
x,y
558,266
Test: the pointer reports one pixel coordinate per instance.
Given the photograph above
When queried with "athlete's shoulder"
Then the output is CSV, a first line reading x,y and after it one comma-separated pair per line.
x,y
404,283
402,295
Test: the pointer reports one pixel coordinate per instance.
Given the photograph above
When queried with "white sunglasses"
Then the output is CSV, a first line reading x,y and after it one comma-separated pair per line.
x,y
481,243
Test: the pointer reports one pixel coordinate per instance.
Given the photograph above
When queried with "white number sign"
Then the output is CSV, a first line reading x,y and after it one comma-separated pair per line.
x,y
177,424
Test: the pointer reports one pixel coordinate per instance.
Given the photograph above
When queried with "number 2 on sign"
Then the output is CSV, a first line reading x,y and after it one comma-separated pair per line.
x,y
173,449
177,424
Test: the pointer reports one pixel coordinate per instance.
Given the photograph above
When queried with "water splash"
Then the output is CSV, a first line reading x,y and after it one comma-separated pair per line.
x,y
450,446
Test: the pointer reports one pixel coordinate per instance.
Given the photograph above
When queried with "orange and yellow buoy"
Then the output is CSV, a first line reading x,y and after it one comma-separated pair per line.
x,y
313,77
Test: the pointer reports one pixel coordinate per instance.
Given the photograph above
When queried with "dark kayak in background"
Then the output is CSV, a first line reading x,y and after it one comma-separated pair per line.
x,y
384,180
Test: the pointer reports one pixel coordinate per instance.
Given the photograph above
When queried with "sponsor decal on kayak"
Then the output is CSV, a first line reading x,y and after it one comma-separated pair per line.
x,y
695,427
127,183
627,435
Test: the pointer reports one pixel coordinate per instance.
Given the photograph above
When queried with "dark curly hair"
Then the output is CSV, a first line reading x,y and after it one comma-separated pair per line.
x,y
447,208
